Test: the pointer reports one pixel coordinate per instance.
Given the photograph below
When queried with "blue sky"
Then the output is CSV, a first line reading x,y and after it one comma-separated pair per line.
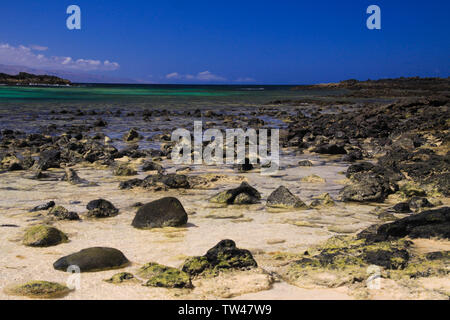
x,y
265,42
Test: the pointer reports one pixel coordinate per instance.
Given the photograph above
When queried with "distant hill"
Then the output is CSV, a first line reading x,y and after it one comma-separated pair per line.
x,y
74,77
24,78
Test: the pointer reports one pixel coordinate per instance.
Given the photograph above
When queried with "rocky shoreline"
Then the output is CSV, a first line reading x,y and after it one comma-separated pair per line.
x,y
361,184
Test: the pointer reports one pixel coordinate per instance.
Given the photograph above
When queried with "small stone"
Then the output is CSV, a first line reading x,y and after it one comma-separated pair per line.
x,y
121,277
44,206
62,213
101,208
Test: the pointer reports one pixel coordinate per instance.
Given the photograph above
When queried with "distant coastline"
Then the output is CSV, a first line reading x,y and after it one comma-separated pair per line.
x,y
28,79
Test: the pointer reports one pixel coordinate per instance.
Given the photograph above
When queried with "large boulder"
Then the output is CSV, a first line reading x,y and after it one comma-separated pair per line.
x,y
165,212
93,259
43,236
283,198
224,255
101,208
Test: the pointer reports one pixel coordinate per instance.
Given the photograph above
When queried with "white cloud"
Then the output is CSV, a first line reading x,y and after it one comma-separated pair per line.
x,y
201,76
24,56
38,47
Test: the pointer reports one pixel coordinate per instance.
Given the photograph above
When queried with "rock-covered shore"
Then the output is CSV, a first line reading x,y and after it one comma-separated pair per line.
x,y
362,183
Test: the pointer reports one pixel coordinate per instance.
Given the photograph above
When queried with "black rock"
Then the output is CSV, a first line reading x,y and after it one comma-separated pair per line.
x,y
93,259
150,166
418,203
44,206
402,207
49,159
367,187
330,149
427,224
305,163
101,209
165,212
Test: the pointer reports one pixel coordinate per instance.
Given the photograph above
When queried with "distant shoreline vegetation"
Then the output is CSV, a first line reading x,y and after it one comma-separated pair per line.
x,y
28,79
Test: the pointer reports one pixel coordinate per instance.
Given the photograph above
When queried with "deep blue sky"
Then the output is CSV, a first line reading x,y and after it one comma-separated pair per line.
x,y
271,42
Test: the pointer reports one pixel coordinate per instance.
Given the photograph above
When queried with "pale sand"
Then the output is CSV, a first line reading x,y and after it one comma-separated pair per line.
x,y
251,227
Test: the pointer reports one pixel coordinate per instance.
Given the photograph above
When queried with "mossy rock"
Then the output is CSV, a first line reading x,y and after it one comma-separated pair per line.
x,y
323,200
43,236
223,256
163,276
284,199
124,170
39,289
121,277
195,265
410,189
61,213
244,194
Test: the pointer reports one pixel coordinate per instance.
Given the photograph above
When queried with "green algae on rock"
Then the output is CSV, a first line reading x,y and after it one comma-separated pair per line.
x,y
43,236
61,213
124,170
163,276
244,194
283,198
93,259
323,200
121,277
39,289
225,255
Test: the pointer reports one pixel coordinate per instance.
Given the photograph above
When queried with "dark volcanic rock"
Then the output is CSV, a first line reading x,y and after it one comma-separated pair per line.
x,y
93,259
101,208
150,166
283,198
330,149
44,206
49,159
428,224
418,203
165,212
367,187
131,135
244,194
402,207
62,213
305,163
224,255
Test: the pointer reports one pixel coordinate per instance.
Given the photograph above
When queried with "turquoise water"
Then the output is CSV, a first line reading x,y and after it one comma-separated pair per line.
x,y
150,93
